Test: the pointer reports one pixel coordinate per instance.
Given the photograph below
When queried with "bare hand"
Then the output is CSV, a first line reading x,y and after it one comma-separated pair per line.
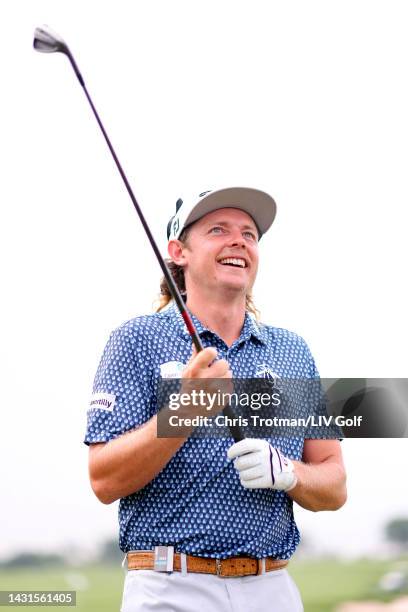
x,y
208,377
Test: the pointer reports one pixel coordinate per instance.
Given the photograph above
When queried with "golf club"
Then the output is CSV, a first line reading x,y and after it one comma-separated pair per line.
x,y
47,41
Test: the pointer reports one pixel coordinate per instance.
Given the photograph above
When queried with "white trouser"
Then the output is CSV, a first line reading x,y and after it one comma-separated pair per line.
x,y
147,590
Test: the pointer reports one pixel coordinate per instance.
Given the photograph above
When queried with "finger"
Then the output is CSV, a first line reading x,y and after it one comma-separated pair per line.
x,y
201,360
247,461
256,483
252,473
245,446
220,369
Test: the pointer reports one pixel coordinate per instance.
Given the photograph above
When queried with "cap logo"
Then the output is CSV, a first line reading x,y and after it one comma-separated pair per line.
x,y
176,225
201,195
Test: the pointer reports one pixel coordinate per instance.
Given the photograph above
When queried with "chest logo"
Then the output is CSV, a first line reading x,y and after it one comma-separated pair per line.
x,y
264,371
172,369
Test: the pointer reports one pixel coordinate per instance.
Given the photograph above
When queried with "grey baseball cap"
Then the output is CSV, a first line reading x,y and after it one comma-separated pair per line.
x,y
258,204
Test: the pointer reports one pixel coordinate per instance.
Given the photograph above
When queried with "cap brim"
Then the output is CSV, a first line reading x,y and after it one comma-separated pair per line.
x,y
257,204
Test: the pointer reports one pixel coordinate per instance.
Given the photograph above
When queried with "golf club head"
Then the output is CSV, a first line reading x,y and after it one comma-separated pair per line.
x,y
47,41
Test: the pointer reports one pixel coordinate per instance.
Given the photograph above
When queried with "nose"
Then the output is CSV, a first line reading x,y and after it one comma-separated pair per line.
x,y
236,238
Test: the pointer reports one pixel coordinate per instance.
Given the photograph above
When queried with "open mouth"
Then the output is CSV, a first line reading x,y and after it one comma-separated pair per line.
x,y
235,262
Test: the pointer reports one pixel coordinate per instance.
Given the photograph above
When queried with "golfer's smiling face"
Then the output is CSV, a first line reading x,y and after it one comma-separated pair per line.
x,y
222,251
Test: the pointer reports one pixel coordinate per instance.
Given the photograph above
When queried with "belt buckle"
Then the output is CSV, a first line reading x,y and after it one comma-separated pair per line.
x,y
163,558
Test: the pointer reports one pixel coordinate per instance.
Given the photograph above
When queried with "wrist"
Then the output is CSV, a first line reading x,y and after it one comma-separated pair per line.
x,y
296,476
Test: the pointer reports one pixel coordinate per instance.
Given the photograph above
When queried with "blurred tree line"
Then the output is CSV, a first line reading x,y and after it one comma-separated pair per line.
x,y
109,553
396,531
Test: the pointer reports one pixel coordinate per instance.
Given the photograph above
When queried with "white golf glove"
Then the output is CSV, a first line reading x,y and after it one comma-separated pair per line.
x,y
261,466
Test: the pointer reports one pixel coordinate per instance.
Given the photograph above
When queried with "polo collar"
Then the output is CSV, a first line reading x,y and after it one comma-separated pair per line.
x,y
250,328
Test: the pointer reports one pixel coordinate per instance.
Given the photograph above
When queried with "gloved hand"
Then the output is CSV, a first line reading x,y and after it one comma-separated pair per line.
x,y
261,466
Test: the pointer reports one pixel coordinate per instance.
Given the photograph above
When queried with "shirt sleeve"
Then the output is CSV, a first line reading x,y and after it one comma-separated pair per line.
x,y
123,394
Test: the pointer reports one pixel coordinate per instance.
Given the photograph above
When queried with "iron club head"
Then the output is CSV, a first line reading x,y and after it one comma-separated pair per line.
x,y
47,41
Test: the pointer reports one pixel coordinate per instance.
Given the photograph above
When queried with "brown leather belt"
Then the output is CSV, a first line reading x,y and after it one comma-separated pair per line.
x,y
234,566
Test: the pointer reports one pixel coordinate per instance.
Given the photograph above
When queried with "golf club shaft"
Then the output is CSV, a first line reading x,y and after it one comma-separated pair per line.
x,y
228,412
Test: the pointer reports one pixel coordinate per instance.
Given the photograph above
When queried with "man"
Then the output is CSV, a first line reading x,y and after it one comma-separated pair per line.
x,y
220,512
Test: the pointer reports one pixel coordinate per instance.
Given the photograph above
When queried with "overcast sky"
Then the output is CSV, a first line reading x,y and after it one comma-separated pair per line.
x,y
306,100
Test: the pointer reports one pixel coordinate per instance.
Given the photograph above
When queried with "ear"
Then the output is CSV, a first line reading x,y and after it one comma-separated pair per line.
x,y
175,249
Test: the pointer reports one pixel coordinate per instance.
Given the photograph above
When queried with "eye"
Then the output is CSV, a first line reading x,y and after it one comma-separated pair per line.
x,y
250,235
216,229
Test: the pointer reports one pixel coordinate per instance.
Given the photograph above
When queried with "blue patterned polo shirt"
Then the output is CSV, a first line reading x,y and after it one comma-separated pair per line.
x,y
196,503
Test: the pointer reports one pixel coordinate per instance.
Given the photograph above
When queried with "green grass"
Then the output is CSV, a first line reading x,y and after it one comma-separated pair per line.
x,y
323,584
326,583
103,592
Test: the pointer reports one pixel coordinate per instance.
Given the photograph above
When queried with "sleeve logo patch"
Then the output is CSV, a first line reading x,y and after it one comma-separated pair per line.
x,y
102,401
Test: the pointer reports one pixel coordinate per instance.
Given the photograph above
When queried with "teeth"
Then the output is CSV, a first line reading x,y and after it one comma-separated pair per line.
x,y
234,261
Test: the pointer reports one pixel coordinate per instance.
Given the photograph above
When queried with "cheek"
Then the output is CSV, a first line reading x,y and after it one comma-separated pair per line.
x,y
201,260
255,259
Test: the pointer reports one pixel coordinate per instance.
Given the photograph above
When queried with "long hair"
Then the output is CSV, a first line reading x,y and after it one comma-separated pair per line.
x,y
177,272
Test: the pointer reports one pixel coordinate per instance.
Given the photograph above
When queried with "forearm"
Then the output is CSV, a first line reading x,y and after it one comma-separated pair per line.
x,y
319,487
126,464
